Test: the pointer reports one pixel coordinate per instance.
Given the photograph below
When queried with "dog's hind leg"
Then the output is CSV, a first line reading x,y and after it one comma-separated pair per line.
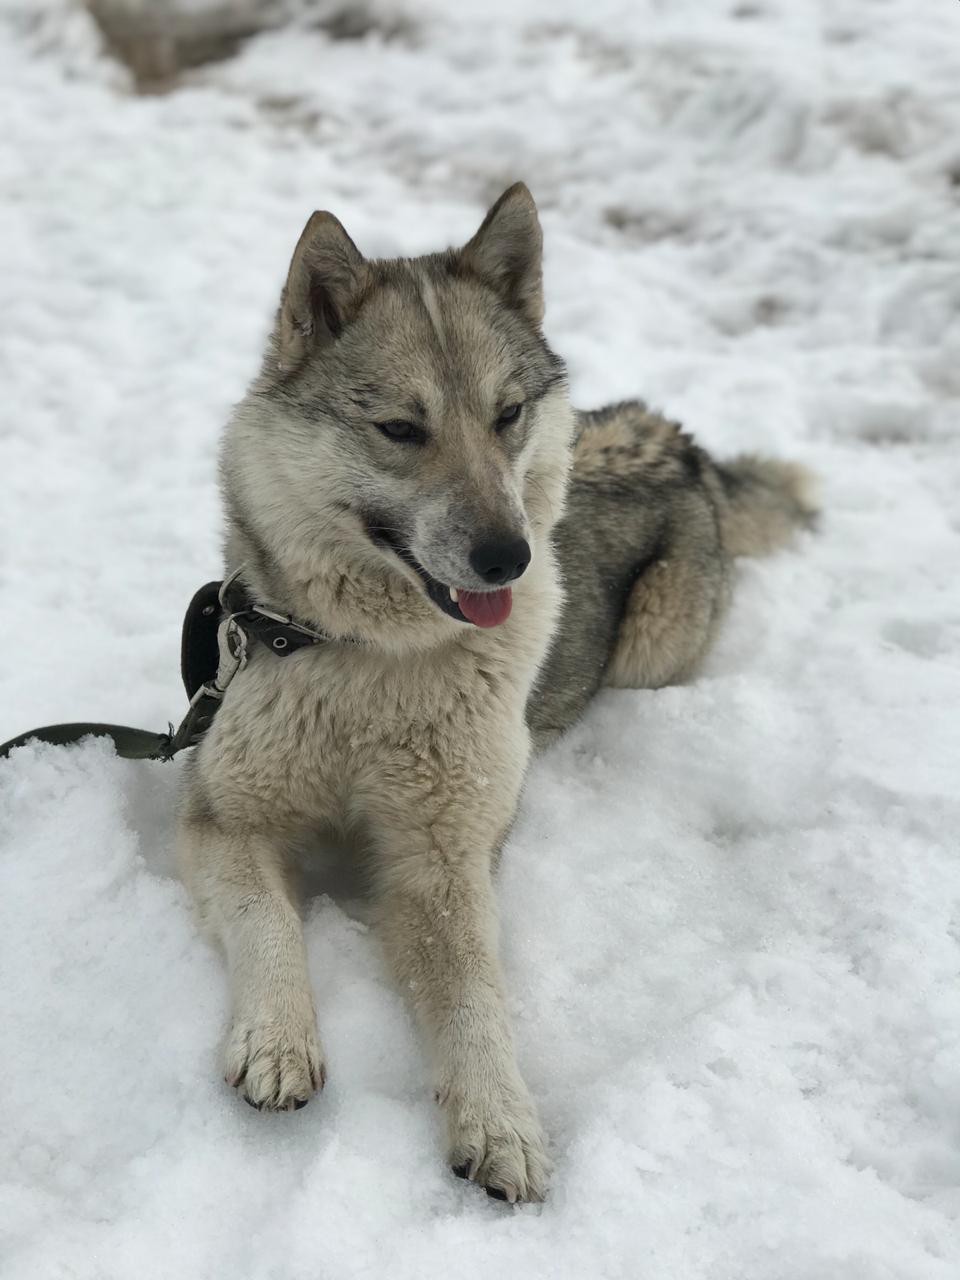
x,y
273,1056
670,617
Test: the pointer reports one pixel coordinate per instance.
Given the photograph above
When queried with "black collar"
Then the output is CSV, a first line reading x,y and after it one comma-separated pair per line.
x,y
212,653
217,602
278,632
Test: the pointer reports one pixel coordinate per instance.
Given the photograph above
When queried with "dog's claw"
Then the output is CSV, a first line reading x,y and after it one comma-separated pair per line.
x,y
466,1171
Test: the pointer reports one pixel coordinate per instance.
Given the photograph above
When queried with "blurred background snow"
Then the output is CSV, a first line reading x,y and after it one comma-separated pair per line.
x,y
731,912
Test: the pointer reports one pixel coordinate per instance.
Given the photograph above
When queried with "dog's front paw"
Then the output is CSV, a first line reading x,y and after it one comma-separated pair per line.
x,y
275,1064
495,1140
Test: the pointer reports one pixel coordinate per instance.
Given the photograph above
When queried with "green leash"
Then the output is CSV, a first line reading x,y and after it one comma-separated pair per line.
x,y
132,744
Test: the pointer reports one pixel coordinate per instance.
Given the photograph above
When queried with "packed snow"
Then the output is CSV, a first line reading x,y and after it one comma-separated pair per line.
x,y
730,911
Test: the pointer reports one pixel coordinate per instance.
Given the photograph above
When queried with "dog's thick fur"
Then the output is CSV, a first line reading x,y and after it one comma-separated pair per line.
x,y
407,737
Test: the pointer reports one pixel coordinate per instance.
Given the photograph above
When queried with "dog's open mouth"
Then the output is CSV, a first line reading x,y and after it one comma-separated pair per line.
x,y
482,608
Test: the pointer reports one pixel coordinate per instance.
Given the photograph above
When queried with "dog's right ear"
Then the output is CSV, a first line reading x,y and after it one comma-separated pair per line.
x,y
507,252
324,284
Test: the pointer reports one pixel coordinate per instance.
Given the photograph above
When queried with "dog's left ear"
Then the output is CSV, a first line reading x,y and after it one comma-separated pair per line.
x,y
507,252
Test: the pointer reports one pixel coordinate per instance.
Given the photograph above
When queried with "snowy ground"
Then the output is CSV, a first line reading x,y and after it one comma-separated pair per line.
x,y
730,911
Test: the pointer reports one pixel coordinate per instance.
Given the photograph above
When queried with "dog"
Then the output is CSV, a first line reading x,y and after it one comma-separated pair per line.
x,y
406,474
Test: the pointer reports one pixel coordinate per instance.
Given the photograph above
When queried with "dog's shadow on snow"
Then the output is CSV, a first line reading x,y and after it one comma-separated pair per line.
x,y
150,794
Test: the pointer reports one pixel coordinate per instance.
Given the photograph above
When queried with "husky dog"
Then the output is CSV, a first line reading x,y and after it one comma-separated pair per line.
x,y
406,474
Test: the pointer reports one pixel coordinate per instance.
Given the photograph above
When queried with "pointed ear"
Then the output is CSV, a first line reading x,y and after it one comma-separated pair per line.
x,y
324,284
507,252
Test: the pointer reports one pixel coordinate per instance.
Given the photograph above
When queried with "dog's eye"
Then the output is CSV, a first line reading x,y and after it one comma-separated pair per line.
x,y
404,431
510,414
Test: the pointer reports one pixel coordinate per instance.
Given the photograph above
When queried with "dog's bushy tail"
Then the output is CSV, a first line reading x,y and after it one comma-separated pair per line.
x,y
766,501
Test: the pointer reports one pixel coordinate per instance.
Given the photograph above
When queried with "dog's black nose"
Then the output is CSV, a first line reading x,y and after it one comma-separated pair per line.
x,y
500,560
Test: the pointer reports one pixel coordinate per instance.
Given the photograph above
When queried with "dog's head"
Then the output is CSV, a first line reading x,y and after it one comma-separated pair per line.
x,y
411,425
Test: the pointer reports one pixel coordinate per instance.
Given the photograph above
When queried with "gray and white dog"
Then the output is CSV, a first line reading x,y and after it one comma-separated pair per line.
x,y
406,473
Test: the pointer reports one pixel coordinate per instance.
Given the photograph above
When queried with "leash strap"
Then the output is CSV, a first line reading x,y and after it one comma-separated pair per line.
x,y
219,623
131,744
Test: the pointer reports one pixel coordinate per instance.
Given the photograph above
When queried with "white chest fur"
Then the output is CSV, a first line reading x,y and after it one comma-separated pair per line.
x,y
313,738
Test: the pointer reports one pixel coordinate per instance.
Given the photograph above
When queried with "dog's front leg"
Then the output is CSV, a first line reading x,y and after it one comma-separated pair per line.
x,y
273,1056
439,926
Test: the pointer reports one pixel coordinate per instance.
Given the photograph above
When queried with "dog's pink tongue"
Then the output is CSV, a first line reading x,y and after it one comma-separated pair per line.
x,y
486,608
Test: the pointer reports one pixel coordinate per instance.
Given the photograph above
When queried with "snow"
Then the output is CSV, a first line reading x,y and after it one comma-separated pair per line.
x,y
730,910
